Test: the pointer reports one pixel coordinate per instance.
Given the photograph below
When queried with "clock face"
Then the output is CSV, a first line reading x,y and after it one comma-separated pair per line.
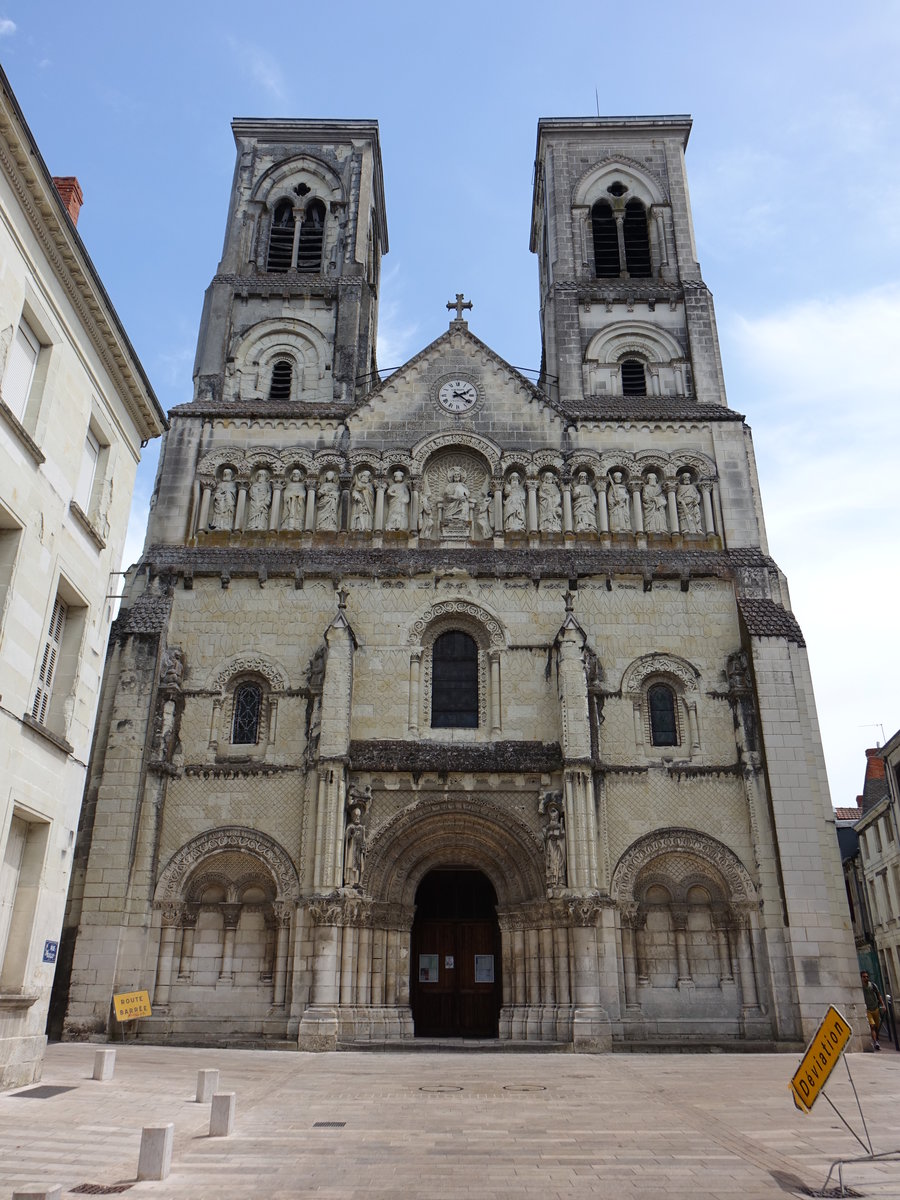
x,y
457,396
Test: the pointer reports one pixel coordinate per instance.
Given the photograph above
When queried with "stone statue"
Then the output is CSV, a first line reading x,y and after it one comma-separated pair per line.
x,y
327,503
514,505
354,849
483,522
654,503
456,498
224,502
584,505
619,505
260,497
555,848
293,502
172,670
362,503
687,498
426,517
549,504
397,503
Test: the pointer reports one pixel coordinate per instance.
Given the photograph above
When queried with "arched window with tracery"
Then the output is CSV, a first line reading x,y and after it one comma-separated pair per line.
x,y
454,681
247,713
281,237
606,240
280,385
312,236
662,714
637,240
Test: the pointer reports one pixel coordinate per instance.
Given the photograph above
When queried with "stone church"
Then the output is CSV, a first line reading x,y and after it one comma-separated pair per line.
x,y
452,704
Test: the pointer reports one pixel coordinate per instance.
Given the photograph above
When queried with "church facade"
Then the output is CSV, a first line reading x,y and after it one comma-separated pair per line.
x,y
451,704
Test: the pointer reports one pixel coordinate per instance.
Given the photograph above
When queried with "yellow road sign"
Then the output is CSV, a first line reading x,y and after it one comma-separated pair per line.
x,y
131,1005
822,1054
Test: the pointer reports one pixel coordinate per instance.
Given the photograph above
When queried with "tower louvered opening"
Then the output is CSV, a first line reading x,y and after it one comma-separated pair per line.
x,y
606,240
637,240
281,237
280,387
634,378
312,235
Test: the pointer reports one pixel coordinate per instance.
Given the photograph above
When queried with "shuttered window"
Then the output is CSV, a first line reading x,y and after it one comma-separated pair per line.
x,y
280,387
281,237
89,458
634,379
454,682
606,240
637,240
49,660
23,356
312,235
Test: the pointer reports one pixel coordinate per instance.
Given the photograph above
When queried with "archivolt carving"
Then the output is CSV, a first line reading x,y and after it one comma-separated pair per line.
x,y
659,664
688,842
651,188
637,337
450,441
273,674
172,879
458,609
305,168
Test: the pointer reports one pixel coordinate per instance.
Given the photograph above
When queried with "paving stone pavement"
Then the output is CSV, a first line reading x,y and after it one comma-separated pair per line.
x,y
484,1126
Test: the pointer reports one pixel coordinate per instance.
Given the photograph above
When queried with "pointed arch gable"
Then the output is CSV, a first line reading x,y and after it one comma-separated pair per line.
x,y
644,184
183,863
301,168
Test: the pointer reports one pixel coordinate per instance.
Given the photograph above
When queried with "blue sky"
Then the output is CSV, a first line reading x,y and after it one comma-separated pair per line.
x,y
794,168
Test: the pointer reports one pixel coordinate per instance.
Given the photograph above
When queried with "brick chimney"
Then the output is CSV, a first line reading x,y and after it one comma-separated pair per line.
x,y
70,190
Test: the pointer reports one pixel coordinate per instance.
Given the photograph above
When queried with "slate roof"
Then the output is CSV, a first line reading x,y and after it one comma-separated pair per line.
x,y
765,618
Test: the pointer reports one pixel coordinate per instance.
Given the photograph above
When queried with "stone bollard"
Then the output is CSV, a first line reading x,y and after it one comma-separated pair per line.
x,y
221,1115
155,1158
38,1191
104,1064
207,1085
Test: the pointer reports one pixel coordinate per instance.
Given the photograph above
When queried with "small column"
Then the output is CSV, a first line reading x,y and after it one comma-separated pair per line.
x,y
693,725
415,484
205,497
705,490
231,914
602,507
679,921
723,949
188,929
519,959
672,505
273,719
638,723
636,505
548,976
494,657
561,955
659,219
620,234
568,521
498,508
240,508
275,510
531,486
749,995
348,960
640,949
171,919
378,523
155,1159
310,506
415,671
364,967
326,981
214,724
378,958
653,372
298,221
628,962
282,945
403,952
680,385
390,967
506,957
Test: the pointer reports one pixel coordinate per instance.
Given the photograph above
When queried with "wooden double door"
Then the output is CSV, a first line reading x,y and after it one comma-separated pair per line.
x,y
455,987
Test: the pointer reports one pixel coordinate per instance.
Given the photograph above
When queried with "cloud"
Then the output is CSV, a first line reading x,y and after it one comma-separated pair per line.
x,y
818,382
7,27
262,68
397,338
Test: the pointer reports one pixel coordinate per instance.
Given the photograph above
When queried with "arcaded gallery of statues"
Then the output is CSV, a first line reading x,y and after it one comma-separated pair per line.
x,y
449,704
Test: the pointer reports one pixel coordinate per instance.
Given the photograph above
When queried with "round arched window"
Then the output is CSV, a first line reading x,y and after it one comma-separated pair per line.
x,y
454,681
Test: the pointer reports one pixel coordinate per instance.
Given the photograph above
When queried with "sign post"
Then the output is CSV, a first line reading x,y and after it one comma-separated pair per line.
x,y
821,1057
131,1005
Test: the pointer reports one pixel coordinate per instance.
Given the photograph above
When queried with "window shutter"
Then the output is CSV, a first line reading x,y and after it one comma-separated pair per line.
x,y
49,658
89,458
23,354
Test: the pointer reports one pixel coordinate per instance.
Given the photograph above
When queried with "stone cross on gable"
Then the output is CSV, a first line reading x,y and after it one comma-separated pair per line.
x,y
459,304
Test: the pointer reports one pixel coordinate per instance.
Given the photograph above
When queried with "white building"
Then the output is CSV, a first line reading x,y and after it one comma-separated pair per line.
x,y
75,406
880,855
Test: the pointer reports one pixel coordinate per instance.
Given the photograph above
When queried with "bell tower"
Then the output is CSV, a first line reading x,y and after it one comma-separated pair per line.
x,y
624,310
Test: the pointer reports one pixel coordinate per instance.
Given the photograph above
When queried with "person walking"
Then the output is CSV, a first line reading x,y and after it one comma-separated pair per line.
x,y
874,1007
